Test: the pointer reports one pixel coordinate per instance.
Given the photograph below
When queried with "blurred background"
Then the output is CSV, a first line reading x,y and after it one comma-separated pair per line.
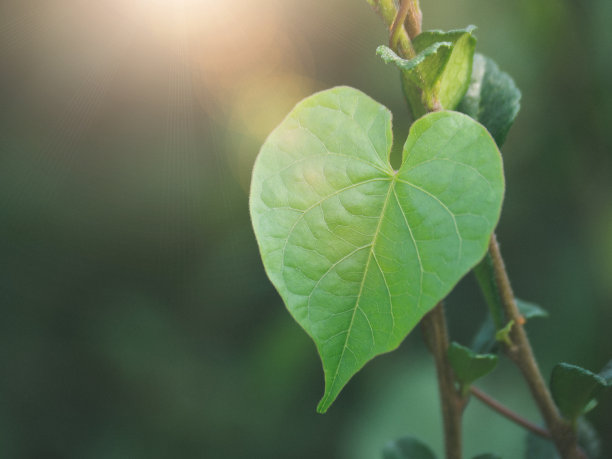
x,y
136,318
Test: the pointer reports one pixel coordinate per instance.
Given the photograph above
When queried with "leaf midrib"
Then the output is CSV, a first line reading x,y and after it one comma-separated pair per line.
x,y
394,180
365,274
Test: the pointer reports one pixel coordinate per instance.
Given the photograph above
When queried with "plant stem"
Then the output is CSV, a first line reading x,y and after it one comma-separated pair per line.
x,y
520,352
434,322
508,413
398,25
436,337
414,20
399,40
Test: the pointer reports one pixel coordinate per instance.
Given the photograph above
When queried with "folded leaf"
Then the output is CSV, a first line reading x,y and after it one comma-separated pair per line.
x,y
492,98
360,252
441,71
410,65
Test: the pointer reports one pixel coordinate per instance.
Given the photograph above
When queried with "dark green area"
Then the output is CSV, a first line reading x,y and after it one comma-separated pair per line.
x,y
542,448
137,320
492,98
575,389
407,448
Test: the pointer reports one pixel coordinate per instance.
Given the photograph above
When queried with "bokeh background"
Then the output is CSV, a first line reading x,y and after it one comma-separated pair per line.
x,y
136,319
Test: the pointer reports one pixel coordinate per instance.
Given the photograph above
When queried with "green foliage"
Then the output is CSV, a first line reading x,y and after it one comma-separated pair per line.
x,y
469,366
484,340
360,252
440,72
417,65
503,335
485,276
574,389
492,98
407,448
543,448
530,310
540,448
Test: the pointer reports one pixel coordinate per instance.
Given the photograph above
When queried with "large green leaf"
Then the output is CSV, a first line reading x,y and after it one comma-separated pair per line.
x,y
492,98
407,448
360,252
575,389
441,70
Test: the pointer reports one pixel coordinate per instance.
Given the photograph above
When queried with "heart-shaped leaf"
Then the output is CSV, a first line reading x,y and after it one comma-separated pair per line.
x,y
360,252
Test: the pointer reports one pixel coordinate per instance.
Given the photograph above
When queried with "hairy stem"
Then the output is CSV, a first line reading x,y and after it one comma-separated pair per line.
x,y
520,352
508,413
453,403
397,26
414,19
399,40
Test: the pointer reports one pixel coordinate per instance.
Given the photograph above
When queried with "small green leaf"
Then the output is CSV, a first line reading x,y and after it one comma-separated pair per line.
x,y
503,335
484,341
360,252
407,448
530,310
492,98
573,389
469,366
440,71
